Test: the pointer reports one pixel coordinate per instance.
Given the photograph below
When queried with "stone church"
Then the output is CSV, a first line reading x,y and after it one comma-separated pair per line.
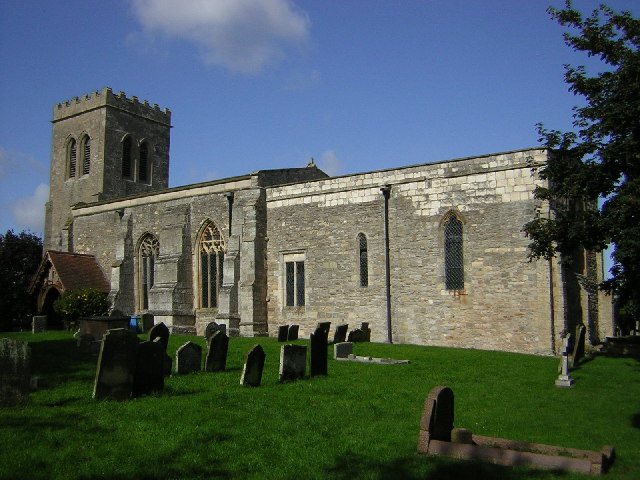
x,y
430,254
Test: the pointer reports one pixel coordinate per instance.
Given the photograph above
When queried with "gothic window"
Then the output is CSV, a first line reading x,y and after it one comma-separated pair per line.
x,y
72,158
453,254
211,251
363,260
86,155
147,255
294,280
126,158
143,163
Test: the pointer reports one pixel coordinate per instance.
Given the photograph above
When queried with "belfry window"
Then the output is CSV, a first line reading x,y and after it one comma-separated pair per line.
x,y
453,254
126,158
147,255
363,260
143,163
72,158
86,155
211,250
294,278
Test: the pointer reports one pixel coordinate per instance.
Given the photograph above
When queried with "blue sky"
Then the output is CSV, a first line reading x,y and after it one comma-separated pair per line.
x,y
256,84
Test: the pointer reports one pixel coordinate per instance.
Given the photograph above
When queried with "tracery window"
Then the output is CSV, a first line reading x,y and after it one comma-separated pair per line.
x,y
211,249
86,154
294,278
363,260
148,252
143,163
72,157
453,254
126,158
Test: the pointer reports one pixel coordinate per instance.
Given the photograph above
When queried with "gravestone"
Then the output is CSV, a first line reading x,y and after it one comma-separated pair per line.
x,y
15,371
283,333
342,350
358,335
116,365
437,417
167,361
160,331
253,366
318,357
39,324
293,333
578,347
564,379
149,375
217,348
326,326
293,362
340,335
188,358
367,331
147,322
212,328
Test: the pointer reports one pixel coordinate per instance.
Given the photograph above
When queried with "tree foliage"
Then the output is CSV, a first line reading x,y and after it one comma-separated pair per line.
x,y
20,256
85,302
600,158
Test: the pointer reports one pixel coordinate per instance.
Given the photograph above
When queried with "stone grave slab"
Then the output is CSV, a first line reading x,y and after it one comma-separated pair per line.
x,y
188,358
149,374
15,372
283,333
293,362
160,331
340,334
217,349
318,356
342,350
116,365
253,367
293,333
326,326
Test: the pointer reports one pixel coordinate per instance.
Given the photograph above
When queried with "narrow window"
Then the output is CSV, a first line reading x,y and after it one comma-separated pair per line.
x,y
211,262
363,260
294,280
148,252
72,158
126,158
453,257
143,163
86,155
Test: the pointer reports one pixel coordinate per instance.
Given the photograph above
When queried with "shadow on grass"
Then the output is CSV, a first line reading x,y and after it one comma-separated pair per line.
x,y
635,420
61,358
83,425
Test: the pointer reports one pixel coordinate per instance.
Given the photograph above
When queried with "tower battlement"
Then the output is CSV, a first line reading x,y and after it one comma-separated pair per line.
x,y
106,97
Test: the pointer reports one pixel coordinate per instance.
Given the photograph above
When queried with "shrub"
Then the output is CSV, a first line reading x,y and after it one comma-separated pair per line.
x,y
86,302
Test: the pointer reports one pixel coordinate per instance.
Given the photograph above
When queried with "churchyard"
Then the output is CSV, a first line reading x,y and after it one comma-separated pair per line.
x,y
359,421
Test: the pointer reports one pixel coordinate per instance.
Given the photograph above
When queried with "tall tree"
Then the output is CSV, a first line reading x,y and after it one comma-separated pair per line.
x,y
600,158
19,258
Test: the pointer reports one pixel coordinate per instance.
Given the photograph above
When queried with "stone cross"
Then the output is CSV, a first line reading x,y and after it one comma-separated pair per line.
x,y
564,379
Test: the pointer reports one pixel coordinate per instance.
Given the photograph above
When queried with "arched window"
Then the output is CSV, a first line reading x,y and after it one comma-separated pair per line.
x,y
363,260
86,155
453,254
211,249
126,158
143,163
72,157
147,253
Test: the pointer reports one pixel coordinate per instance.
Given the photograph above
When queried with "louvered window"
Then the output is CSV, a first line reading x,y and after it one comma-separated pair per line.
x,y
72,158
148,252
143,163
211,266
86,155
363,260
126,158
453,254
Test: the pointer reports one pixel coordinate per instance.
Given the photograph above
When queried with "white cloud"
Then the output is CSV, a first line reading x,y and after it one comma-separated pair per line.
x,y
240,35
29,211
330,163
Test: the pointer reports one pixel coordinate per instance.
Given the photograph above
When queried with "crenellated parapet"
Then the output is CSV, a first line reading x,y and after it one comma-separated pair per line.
x,y
106,97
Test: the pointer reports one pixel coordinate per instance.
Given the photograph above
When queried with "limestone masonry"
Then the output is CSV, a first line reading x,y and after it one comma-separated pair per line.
x,y
295,246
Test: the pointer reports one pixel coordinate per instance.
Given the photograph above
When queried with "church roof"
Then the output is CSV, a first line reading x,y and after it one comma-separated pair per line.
x,y
74,271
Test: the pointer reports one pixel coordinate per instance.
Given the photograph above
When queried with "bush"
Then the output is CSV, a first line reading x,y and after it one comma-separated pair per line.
x,y
86,302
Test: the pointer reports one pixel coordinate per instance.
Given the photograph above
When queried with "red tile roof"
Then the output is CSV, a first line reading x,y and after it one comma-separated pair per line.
x,y
75,270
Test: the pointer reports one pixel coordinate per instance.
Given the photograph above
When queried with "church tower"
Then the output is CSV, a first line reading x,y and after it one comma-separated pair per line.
x,y
104,146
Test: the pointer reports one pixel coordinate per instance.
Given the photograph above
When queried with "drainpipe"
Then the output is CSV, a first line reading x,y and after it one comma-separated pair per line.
x,y
230,200
552,312
386,190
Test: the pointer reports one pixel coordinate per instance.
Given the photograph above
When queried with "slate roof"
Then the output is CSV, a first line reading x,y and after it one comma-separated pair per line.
x,y
75,271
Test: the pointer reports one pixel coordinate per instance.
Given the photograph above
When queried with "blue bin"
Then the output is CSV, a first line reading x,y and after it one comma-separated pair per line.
x,y
134,324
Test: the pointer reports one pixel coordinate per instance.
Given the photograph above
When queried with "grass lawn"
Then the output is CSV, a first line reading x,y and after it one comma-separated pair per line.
x,y
359,422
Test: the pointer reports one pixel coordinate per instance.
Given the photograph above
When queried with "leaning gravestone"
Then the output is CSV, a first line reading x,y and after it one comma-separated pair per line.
x,y
15,371
116,365
217,348
340,335
188,358
160,331
293,333
318,357
149,376
437,417
578,347
212,328
283,333
39,324
253,366
293,362
324,325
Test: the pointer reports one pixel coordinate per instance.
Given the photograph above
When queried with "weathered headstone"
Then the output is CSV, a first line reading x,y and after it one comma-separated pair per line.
x,y
578,347
149,375
147,320
116,365
160,331
253,366
167,360
357,336
293,362
217,348
564,379
326,326
39,324
340,335
283,333
367,331
318,356
293,333
342,350
15,371
188,358
212,328
437,417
